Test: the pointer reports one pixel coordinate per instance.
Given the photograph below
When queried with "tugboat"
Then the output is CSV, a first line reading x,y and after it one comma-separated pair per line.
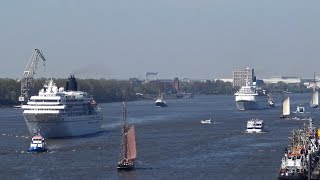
x,y
37,144
128,145
160,102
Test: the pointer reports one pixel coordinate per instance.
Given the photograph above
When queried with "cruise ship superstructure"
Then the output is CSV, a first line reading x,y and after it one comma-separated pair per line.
x,y
62,112
251,97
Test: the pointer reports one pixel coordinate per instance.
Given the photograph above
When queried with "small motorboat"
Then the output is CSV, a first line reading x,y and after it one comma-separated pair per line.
x,y
300,109
37,144
270,102
207,121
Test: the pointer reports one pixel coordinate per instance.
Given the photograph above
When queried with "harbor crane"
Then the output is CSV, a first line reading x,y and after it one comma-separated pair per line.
x,y
27,79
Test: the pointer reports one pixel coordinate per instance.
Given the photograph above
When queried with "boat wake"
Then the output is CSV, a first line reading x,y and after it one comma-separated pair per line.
x,y
295,112
111,125
143,165
12,135
301,119
262,132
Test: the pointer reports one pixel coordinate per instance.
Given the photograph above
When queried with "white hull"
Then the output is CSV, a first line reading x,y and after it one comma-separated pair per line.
x,y
208,121
253,103
55,125
160,103
254,130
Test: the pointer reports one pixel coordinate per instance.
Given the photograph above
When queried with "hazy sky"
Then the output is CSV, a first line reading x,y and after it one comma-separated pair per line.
x,y
176,38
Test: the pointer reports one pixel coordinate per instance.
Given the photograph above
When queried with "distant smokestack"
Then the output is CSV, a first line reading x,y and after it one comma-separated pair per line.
x,y
71,84
254,79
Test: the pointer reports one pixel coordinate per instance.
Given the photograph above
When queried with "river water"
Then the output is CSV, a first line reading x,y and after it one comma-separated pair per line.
x,y
171,142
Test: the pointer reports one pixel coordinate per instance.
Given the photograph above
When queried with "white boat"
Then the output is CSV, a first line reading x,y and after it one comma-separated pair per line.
x,y
207,121
315,99
300,109
160,102
270,102
285,108
255,125
128,145
37,144
251,97
59,112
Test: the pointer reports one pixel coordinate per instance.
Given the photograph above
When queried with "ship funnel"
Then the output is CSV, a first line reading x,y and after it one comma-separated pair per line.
x,y
71,84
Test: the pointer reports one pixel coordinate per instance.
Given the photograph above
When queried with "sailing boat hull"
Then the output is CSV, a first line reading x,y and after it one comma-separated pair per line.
x,y
283,116
314,105
125,166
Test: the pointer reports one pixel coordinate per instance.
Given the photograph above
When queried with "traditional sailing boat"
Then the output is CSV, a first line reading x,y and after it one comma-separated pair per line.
x,y
315,95
128,145
285,108
315,99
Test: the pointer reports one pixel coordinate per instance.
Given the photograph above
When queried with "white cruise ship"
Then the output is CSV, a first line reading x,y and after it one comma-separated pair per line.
x,y
251,97
59,112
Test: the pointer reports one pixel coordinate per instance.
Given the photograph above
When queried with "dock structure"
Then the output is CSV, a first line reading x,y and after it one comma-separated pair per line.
x,y
315,174
301,159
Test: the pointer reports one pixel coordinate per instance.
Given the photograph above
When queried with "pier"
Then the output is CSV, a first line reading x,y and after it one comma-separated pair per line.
x,y
315,174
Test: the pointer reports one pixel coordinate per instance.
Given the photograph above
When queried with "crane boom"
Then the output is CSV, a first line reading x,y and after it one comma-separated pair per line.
x,y
27,79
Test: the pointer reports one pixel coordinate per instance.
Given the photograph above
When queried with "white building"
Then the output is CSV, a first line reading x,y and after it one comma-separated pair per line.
x,y
285,79
224,80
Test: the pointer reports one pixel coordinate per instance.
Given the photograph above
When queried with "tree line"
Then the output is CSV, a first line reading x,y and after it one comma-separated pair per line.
x,y
104,90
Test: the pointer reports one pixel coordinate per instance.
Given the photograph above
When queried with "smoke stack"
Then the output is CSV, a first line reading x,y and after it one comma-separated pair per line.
x,y
71,84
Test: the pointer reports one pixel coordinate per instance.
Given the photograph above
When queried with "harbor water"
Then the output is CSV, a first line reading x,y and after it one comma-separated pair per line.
x,y
171,142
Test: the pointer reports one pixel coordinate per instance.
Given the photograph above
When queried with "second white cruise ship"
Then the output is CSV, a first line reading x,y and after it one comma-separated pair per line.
x,y
62,112
251,97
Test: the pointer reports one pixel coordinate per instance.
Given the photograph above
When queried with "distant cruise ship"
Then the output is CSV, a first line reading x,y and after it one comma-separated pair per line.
x,y
62,112
251,97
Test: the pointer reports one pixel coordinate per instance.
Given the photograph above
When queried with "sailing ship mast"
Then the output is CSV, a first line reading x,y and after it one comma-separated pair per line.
x,y
123,132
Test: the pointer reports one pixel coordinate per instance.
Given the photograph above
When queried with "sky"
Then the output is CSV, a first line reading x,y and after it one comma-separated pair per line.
x,y
196,39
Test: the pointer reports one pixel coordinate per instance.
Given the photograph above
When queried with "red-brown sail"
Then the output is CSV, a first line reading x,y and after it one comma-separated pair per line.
x,y
128,147
131,144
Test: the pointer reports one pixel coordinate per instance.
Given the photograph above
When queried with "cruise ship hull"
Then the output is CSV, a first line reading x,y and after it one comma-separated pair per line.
x,y
57,125
251,105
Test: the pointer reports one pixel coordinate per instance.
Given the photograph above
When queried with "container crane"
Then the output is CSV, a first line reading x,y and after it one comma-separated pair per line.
x,y
27,80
